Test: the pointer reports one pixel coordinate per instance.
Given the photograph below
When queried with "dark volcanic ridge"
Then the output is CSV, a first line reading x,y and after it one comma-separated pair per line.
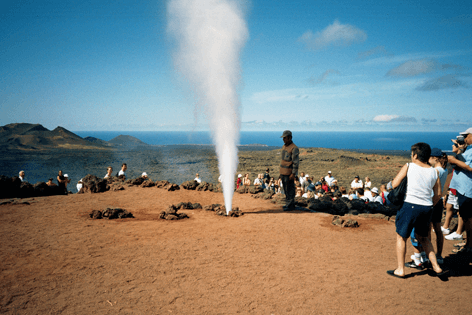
x,y
23,136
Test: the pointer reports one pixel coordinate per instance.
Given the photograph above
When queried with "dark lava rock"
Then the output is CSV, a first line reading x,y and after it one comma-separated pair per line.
x,y
148,183
96,214
350,223
255,189
13,187
115,213
221,210
171,212
111,213
339,207
172,187
26,190
93,184
190,185
337,220
204,186
136,182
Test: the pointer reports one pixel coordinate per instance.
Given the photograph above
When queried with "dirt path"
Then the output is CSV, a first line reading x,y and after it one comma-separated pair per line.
x,y
56,260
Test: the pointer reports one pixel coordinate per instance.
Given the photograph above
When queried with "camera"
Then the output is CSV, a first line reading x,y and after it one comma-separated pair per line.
x,y
460,140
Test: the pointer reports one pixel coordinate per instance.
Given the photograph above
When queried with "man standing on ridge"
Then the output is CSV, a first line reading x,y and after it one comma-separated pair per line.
x,y
289,169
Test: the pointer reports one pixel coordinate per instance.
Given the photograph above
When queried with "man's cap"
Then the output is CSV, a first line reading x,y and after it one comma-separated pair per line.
x,y
329,172
375,190
311,187
306,176
144,174
436,152
65,175
286,133
462,133
240,175
318,183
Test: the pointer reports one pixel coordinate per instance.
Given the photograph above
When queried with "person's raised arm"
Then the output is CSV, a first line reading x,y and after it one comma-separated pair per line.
x,y
398,179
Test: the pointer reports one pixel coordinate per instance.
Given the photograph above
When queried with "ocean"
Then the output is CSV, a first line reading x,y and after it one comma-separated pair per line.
x,y
333,140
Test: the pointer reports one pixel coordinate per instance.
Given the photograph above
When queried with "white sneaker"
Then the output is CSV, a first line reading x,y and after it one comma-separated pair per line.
x,y
453,237
445,231
416,260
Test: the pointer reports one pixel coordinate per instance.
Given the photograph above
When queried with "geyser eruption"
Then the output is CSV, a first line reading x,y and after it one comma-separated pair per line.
x,y
210,35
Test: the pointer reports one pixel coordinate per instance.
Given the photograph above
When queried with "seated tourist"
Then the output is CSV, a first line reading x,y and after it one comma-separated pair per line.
x,y
80,184
356,183
310,191
144,175
197,178
352,194
298,188
109,171
360,194
307,182
367,182
122,172
337,195
259,180
50,183
329,178
375,195
368,193
343,191
267,174
22,176
246,180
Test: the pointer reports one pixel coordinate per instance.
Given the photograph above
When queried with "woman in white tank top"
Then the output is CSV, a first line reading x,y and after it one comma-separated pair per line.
x,y
416,212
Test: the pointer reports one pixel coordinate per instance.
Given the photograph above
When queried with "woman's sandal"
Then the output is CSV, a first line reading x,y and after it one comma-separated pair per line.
x,y
461,244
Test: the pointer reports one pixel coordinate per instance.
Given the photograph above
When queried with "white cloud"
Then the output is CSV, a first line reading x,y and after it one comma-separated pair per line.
x,y
413,67
336,34
394,118
385,118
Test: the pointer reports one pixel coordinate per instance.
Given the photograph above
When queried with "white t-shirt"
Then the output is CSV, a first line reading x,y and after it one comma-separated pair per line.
x,y
198,180
368,194
257,181
121,172
377,199
367,184
329,180
356,185
420,185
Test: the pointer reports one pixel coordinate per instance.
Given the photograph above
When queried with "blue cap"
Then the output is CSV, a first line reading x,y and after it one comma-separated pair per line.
x,y
436,152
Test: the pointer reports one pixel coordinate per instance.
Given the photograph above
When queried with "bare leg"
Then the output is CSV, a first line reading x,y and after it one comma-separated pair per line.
x,y
401,251
428,248
447,220
460,225
439,238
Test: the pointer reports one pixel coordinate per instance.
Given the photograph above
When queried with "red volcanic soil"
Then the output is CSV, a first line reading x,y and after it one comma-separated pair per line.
x,y
56,260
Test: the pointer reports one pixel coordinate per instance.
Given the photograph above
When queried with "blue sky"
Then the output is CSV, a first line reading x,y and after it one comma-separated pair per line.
x,y
307,65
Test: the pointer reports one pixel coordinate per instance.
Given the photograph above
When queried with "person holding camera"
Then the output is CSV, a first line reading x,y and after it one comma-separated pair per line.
x,y
462,182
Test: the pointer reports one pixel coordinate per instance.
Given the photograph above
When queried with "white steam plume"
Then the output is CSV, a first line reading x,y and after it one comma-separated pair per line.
x,y
210,35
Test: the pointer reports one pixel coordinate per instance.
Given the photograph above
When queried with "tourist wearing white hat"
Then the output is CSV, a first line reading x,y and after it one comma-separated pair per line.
x,y
329,179
462,182
375,195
